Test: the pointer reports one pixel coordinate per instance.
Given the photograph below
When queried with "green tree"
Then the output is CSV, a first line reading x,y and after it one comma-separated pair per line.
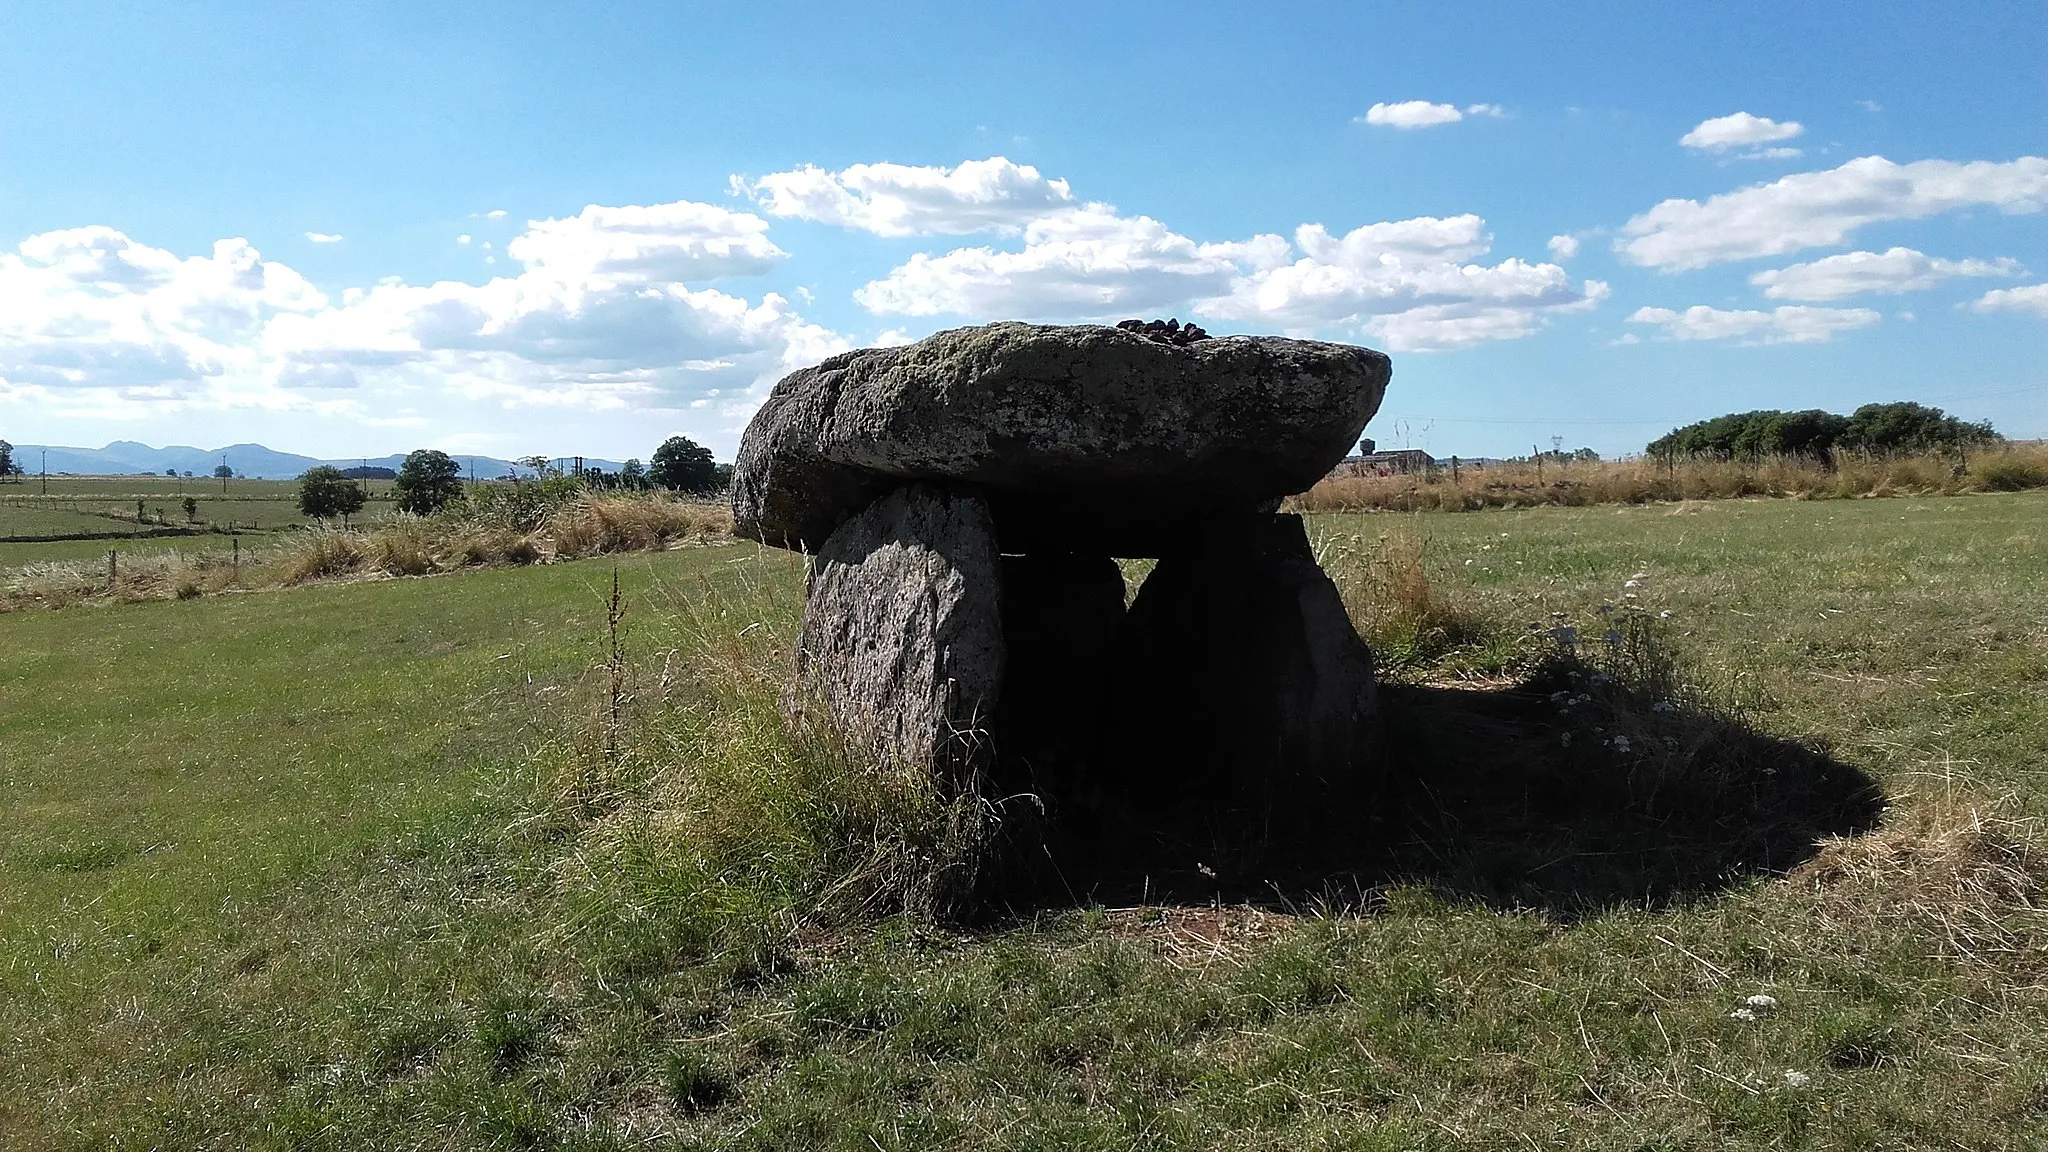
x,y
325,493
222,472
427,481
191,510
1909,427
684,465
633,475
7,465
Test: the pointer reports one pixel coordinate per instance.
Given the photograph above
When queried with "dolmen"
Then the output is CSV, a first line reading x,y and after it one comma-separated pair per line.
x,y
964,501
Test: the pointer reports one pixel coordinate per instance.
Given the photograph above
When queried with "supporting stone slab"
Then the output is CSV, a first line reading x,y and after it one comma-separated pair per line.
x,y
902,638
1246,708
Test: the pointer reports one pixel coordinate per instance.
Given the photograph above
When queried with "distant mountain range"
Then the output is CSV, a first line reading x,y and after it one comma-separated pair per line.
x,y
126,457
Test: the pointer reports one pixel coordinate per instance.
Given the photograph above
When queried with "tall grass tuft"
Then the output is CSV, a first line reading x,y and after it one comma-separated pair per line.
x,y
702,821
319,555
592,526
1408,620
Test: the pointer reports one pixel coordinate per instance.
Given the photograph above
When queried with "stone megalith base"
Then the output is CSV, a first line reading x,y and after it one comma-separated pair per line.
x,y
1246,713
902,640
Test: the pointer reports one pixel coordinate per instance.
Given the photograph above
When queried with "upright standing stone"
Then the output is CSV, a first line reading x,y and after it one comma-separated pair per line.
x,y
1246,707
902,638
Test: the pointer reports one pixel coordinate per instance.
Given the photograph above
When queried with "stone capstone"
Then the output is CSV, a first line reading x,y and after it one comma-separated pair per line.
x,y
902,641
1086,437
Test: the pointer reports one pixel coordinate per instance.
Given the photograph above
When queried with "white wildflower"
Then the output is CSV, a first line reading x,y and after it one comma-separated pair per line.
x,y
1762,1002
1640,576
1744,1015
1664,615
1620,743
1632,584
1794,1078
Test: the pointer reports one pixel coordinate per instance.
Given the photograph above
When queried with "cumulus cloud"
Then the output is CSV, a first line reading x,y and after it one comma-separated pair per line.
x,y
323,237
1087,264
1493,110
682,241
1563,247
1790,324
1812,209
2028,298
1412,114
1892,271
1410,284
607,312
90,308
1739,130
992,195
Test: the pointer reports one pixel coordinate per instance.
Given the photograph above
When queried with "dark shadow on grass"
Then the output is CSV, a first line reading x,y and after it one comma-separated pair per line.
x,y
1568,793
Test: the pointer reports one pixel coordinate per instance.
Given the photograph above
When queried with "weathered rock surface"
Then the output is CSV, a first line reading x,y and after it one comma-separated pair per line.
x,y
902,637
1245,698
1131,437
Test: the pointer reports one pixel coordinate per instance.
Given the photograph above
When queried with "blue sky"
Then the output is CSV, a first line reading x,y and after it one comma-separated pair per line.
x,y
551,228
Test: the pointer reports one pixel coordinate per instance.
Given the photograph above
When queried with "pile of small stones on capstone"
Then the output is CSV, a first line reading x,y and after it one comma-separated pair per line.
x,y
964,501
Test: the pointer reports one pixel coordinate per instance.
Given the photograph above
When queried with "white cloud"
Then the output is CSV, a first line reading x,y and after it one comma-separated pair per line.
x,y
1810,209
1739,130
682,241
1405,283
1563,247
1892,271
1086,264
463,239
992,195
90,309
1493,110
495,214
1770,154
1412,114
1870,105
1790,324
323,237
2028,298
603,316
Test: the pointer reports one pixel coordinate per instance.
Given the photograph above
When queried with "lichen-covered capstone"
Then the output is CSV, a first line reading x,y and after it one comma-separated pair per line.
x,y
1089,436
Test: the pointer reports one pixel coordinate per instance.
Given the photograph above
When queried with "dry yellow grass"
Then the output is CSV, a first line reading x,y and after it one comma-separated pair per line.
x,y
1643,481
404,546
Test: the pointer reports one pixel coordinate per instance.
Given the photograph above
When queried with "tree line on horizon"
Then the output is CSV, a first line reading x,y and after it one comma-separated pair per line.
x,y
1880,429
430,479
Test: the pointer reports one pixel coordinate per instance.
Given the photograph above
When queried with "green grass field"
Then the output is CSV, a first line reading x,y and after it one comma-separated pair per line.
x,y
276,871
67,505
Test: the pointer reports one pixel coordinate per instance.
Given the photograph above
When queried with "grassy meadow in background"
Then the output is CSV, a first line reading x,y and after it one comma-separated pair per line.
x,y
2005,467
452,863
